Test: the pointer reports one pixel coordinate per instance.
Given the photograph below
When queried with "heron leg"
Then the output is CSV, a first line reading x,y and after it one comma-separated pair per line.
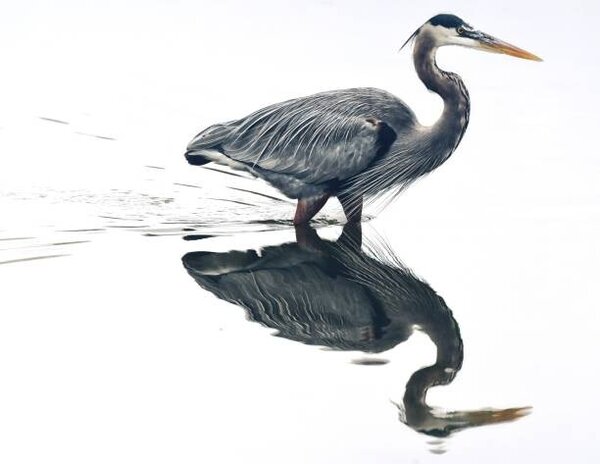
x,y
308,207
352,206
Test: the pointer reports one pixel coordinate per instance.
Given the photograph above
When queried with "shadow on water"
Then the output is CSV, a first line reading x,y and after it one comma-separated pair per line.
x,y
346,295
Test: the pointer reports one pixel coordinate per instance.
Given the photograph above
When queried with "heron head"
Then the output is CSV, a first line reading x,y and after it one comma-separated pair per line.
x,y
447,29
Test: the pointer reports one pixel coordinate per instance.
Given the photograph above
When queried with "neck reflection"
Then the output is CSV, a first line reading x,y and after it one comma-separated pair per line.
x,y
348,296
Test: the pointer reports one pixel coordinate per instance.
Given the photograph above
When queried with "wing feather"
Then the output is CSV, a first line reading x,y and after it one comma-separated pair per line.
x,y
315,139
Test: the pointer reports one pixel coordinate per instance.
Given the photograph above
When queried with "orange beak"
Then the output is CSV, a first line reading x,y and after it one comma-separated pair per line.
x,y
492,44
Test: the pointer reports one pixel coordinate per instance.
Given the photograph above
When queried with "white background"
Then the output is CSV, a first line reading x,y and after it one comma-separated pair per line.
x,y
113,354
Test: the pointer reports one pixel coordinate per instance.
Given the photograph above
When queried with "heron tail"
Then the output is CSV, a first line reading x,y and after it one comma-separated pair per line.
x,y
209,140
196,159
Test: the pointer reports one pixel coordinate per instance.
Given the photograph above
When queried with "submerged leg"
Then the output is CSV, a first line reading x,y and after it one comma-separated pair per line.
x,y
307,237
308,207
352,205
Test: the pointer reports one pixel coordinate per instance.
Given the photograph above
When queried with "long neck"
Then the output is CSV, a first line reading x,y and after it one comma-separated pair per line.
x,y
445,135
419,150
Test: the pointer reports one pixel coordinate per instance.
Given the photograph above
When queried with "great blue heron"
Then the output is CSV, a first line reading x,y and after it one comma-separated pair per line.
x,y
335,295
354,143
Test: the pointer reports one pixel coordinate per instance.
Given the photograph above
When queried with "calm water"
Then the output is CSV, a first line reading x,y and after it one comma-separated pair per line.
x,y
154,312
146,331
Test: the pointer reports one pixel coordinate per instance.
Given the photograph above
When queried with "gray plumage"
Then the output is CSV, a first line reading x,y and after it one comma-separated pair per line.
x,y
310,145
355,144
332,294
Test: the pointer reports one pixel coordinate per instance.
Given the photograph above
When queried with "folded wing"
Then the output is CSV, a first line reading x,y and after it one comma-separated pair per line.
x,y
325,137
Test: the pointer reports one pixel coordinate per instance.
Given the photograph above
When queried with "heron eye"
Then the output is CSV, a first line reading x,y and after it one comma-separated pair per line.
x,y
460,30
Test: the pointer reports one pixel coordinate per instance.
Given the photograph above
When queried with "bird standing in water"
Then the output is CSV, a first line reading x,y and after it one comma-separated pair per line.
x,y
354,144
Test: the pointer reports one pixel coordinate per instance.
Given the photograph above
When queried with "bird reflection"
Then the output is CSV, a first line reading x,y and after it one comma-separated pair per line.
x,y
346,295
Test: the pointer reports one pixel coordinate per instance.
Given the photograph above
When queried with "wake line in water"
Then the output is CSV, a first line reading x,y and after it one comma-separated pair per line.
x,y
33,258
164,206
